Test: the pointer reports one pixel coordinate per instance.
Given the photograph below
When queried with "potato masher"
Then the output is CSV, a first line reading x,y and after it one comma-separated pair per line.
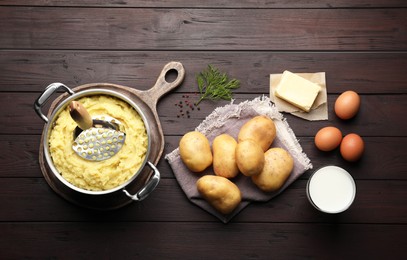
x,y
97,138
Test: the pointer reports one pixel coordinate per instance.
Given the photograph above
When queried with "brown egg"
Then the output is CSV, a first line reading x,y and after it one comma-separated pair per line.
x,y
328,138
352,147
347,105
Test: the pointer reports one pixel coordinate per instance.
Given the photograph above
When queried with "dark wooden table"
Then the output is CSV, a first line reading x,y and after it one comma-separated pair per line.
x,y
360,44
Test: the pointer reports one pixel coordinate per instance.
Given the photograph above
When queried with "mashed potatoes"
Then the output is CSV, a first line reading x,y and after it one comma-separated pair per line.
x,y
99,175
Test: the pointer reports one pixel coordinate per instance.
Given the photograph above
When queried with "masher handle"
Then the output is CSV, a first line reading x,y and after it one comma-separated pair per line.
x,y
81,116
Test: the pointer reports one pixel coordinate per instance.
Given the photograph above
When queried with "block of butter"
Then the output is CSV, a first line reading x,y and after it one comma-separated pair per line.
x,y
298,91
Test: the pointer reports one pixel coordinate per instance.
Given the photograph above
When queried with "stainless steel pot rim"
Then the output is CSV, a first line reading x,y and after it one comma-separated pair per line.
x,y
62,105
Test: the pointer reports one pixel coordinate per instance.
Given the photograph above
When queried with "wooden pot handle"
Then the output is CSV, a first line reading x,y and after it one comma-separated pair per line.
x,y
161,87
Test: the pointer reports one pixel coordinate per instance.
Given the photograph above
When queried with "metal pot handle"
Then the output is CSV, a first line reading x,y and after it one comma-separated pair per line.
x,y
148,188
43,98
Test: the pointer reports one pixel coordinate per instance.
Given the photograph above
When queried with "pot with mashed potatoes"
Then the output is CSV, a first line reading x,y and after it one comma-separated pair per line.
x,y
103,175
122,178
106,176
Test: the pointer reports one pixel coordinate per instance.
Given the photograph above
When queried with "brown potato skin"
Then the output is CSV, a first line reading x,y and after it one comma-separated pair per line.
x,y
224,156
219,192
249,157
277,168
195,151
261,129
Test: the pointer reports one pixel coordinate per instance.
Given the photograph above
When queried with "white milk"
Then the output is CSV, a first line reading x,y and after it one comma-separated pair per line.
x,y
331,189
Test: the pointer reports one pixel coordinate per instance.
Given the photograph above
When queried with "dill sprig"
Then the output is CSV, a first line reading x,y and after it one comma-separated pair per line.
x,y
214,85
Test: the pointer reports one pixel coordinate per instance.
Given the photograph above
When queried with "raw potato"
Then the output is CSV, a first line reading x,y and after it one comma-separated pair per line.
x,y
195,151
224,158
220,192
277,168
261,129
249,157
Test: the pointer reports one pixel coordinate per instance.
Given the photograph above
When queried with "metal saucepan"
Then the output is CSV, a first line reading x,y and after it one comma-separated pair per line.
x,y
145,180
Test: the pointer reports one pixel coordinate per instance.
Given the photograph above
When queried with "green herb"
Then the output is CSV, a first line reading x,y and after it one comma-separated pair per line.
x,y
214,85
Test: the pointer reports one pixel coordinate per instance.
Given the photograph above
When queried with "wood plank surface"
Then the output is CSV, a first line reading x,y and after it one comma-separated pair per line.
x,y
157,240
214,4
368,72
379,202
359,44
203,29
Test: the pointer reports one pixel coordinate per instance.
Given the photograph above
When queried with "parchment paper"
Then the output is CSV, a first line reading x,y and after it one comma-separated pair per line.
x,y
319,110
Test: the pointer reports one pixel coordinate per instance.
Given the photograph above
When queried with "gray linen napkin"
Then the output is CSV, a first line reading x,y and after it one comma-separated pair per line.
x,y
229,119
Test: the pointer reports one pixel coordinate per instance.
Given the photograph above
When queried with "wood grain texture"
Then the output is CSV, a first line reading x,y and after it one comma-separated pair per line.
x,y
214,4
376,202
203,29
360,44
33,70
104,240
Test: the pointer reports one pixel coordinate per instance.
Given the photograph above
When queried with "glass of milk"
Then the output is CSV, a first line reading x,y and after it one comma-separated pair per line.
x,y
331,189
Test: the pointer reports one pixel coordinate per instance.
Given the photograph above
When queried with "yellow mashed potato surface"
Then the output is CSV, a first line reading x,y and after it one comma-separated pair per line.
x,y
99,175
